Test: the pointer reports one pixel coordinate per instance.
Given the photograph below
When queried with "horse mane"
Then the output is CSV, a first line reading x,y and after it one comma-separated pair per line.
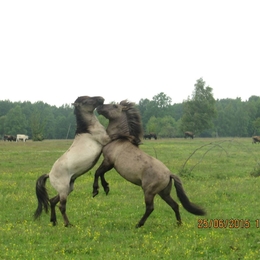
x,y
134,122
82,123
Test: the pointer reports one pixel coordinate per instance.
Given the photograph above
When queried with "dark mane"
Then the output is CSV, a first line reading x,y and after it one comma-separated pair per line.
x,y
133,121
82,123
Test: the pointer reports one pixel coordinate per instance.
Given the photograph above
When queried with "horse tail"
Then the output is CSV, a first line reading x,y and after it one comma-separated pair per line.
x,y
42,196
189,206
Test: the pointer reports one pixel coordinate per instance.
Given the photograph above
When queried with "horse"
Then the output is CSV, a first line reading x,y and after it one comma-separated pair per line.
x,y
82,155
256,139
124,155
188,134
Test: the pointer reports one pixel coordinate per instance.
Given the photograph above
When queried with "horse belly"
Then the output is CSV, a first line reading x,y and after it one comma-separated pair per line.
x,y
142,169
83,158
130,166
78,159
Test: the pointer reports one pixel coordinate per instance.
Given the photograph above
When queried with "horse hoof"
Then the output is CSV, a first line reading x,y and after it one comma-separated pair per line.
x,y
68,225
107,190
95,193
54,222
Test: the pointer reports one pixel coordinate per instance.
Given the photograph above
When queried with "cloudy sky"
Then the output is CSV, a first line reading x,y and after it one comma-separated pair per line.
x,y
54,51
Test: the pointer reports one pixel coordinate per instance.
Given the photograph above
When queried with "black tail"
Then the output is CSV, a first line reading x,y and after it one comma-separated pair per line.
x,y
189,206
42,195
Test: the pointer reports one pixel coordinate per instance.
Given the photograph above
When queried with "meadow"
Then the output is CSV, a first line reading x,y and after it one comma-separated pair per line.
x,y
220,175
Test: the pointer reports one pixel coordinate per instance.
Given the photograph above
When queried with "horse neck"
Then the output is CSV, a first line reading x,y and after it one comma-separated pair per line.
x,y
118,126
84,122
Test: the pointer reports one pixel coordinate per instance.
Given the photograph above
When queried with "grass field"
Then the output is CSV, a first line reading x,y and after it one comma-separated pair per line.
x,y
217,174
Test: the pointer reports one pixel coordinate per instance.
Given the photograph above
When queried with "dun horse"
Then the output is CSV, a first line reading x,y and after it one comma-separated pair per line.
x,y
78,159
123,154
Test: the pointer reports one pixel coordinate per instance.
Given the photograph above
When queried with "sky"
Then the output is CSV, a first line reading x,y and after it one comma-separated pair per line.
x,y
55,51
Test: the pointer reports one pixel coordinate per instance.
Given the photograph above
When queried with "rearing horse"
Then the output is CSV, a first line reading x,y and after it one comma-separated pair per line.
x,y
82,155
123,154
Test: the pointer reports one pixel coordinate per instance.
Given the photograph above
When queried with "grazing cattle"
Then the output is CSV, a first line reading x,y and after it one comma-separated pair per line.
x,y
188,134
147,136
9,138
153,135
22,137
256,139
150,136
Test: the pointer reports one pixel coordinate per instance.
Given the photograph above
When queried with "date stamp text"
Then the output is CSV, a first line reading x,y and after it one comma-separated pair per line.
x,y
228,223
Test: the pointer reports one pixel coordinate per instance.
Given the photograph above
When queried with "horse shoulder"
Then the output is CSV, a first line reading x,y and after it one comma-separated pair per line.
x,y
99,133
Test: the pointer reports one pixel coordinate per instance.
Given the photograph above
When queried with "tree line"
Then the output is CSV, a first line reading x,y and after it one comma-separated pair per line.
x,y
200,113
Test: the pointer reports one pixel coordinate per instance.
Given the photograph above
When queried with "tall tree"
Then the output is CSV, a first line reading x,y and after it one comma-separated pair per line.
x,y
199,111
37,127
15,122
162,100
160,106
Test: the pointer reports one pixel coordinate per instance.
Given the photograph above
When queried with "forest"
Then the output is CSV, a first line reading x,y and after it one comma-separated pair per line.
x,y
200,113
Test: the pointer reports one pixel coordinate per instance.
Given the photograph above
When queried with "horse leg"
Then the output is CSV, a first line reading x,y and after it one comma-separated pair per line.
x,y
53,202
166,196
100,172
149,204
62,207
104,183
174,205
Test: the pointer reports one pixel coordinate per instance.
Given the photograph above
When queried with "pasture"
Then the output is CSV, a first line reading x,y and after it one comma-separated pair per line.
x,y
221,175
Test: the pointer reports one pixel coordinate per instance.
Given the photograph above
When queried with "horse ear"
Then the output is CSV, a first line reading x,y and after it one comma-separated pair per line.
x,y
123,102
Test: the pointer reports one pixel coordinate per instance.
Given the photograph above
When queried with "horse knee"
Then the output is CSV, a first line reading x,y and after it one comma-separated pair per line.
x,y
62,205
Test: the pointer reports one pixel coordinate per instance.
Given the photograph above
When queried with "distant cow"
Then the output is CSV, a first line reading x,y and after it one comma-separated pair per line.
x,y
9,138
189,134
256,139
22,137
150,136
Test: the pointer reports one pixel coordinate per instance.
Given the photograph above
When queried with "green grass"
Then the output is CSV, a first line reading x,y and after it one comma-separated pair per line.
x,y
217,174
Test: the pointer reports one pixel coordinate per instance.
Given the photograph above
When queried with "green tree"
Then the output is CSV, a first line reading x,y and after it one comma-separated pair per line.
x,y
256,125
15,122
153,125
200,110
2,125
159,107
37,127
162,100
168,127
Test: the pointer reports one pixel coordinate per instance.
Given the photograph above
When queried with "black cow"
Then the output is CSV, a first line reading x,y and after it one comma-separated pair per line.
x,y
9,138
256,139
150,136
147,136
189,134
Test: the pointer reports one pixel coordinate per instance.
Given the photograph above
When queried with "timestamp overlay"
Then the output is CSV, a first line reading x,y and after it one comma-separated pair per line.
x,y
228,223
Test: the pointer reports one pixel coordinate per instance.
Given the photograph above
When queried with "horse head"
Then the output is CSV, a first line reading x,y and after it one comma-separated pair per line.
x,y
124,121
83,110
90,103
